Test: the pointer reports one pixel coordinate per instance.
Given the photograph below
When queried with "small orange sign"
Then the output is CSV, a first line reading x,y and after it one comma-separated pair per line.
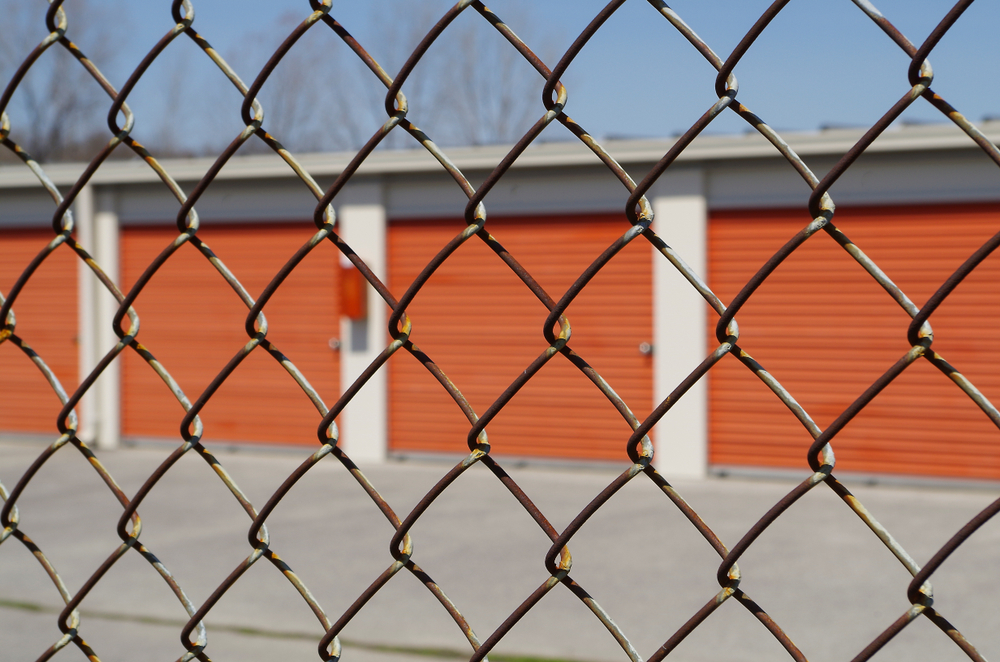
x,y
353,293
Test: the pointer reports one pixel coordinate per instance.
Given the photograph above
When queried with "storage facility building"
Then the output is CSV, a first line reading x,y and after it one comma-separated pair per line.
x,y
919,202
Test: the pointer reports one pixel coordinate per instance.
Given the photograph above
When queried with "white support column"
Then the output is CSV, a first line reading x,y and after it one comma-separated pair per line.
x,y
361,221
83,213
108,386
679,323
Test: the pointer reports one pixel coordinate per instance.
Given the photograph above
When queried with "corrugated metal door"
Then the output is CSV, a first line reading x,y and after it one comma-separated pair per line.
x,y
46,315
192,321
826,330
482,326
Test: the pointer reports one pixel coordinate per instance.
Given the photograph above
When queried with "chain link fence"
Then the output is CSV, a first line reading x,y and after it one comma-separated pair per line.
x,y
636,451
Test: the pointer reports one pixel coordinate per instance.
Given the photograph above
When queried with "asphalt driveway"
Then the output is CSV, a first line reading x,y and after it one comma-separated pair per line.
x,y
819,571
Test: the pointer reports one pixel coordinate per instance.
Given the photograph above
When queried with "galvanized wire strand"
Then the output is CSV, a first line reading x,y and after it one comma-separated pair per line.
x,y
120,104
224,371
850,247
856,253
327,232
820,189
69,620
476,217
555,337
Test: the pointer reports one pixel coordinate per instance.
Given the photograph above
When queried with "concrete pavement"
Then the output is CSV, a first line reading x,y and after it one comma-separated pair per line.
x,y
818,571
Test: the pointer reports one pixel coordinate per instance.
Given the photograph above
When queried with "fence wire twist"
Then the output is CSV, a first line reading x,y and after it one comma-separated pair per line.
x,y
556,329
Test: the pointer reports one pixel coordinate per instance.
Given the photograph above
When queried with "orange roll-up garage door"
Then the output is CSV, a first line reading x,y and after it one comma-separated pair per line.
x,y
46,312
826,331
482,326
192,322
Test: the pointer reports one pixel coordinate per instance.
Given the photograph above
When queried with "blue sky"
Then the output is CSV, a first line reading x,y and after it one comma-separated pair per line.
x,y
820,63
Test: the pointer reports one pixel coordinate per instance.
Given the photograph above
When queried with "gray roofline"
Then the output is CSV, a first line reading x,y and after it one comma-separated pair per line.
x,y
748,146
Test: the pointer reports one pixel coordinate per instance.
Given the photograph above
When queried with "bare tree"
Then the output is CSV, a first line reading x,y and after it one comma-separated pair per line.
x,y
471,87
56,111
493,93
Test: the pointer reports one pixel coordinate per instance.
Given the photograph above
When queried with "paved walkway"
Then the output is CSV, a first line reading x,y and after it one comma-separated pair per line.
x,y
819,571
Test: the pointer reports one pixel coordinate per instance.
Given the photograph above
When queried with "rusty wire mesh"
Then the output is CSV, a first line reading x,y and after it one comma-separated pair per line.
x,y
555,329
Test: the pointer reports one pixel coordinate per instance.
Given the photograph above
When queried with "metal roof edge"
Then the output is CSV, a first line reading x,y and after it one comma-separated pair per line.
x,y
747,146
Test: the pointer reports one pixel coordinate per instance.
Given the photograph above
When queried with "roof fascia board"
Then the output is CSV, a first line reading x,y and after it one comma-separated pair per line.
x,y
749,146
